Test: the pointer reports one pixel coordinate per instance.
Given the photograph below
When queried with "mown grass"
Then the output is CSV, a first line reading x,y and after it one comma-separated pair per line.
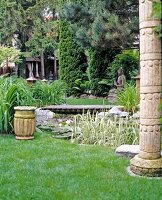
x,y
84,101
51,169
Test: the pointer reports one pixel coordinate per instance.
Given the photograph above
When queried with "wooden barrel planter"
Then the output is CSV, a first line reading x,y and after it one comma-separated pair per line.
x,y
24,122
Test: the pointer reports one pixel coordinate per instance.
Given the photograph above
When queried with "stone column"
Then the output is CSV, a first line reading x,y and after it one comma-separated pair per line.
x,y
37,73
149,161
42,65
30,69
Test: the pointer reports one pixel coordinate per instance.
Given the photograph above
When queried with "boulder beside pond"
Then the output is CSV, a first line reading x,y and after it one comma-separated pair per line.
x,y
43,115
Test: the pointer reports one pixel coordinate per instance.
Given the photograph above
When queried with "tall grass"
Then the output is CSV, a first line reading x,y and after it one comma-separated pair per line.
x,y
128,98
14,92
91,129
48,93
8,99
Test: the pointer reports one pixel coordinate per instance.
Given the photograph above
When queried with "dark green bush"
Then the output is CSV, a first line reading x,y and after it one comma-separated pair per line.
x,y
128,60
81,87
98,66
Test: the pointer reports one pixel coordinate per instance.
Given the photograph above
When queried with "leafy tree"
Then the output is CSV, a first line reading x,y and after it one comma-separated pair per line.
x,y
22,15
9,54
13,14
30,25
44,33
104,29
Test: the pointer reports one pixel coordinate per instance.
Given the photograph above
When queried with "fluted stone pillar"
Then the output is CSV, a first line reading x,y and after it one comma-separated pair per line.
x,y
37,73
149,162
30,68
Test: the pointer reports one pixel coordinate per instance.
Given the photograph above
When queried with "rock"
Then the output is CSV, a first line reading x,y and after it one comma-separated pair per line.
x,y
66,136
43,115
136,115
84,96
128,151
103,114
92,96
115,111
46,127
124,114
112,95
71,97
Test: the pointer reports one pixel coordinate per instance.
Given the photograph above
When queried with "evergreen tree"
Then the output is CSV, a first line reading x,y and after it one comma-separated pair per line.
x,y
103,23
72,60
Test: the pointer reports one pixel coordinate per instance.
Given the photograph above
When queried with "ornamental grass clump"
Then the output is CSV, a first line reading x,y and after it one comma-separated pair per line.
x,y
48,93
128,98
91,129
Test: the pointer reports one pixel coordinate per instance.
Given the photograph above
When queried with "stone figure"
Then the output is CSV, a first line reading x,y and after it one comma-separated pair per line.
x,y
121,80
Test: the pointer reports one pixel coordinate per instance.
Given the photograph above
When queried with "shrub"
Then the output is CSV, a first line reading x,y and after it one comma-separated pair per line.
x,y
157,14
90,129
81,87
161,117
128,98
98,68
128,60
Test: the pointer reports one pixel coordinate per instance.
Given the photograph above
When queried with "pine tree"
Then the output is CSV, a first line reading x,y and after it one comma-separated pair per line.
x,y
110,24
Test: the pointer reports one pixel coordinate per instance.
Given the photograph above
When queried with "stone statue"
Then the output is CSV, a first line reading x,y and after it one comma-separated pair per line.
x,y
119,84
121,80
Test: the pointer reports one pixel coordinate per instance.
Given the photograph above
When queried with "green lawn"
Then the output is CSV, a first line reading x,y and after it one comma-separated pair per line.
x,y
50,169
80,101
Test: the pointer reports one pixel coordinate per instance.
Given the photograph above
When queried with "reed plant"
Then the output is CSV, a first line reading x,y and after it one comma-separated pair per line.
x,y
15,91
49,93
8,99
91,129
129,98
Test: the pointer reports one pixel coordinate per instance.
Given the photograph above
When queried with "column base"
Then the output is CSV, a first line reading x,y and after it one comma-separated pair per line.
x,y
145,167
